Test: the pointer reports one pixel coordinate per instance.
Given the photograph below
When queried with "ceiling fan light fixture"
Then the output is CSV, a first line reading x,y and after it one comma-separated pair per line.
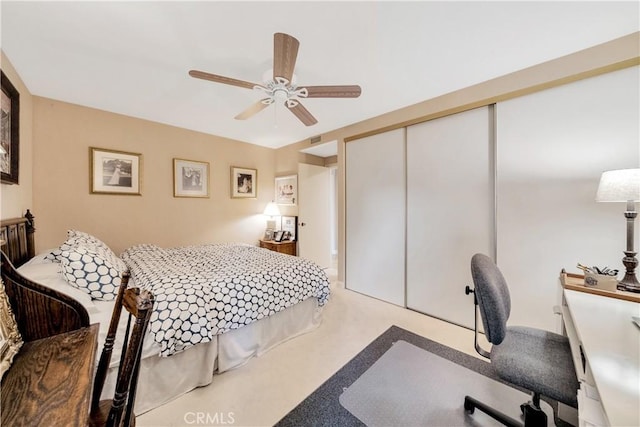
x,y
280,94
280,83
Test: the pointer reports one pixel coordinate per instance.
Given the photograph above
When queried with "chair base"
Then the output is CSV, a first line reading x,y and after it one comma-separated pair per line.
x,y
534,416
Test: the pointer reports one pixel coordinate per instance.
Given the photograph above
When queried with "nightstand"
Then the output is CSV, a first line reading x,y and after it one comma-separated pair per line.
x,y
287,247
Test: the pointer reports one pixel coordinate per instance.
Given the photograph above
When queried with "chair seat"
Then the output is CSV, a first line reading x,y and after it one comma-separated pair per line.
x,y
537,360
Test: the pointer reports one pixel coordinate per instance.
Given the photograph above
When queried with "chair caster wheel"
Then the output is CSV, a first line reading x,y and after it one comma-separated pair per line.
x,y
533,416
469,407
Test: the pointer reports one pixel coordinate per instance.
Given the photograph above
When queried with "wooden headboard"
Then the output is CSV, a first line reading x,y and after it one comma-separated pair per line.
x,y
40,311
18,242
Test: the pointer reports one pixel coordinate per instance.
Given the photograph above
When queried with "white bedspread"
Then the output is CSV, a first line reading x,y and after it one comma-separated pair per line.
x,y
202,291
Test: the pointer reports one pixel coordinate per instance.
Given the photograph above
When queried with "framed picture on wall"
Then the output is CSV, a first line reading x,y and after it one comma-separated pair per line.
x,y
287,190
190,178
9,132
244,183
115,172
290,225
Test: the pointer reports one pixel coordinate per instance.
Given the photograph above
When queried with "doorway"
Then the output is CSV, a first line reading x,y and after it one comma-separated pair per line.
x,y
318,208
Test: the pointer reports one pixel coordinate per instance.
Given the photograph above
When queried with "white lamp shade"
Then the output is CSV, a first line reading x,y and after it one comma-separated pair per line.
x,y
272,209
619,186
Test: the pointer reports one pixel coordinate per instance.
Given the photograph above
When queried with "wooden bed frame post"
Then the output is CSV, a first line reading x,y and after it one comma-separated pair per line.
x,y
31,229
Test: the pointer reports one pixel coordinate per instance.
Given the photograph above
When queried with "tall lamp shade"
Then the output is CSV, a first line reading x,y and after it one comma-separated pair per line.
x,y
271,211
623,185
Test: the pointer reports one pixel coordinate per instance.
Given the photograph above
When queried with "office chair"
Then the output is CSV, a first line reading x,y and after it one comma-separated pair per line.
x,y
537,360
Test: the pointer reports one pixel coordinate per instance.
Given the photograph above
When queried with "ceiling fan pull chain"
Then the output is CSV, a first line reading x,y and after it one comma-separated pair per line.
x,y
275,115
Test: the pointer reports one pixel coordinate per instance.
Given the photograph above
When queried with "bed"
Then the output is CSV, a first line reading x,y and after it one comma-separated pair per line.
x,y
209,317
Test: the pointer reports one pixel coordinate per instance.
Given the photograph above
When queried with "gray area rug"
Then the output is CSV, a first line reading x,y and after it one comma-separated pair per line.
x,y
323,408
409,386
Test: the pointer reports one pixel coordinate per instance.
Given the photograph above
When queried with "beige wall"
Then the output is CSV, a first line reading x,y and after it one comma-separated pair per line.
x,y
16,199
62,136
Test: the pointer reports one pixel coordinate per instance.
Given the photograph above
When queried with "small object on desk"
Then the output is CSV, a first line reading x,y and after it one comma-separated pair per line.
x,y
600,281
597,270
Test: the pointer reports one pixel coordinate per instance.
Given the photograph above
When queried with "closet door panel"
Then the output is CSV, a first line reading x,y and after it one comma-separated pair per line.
x,y
375,216
552,148
450,211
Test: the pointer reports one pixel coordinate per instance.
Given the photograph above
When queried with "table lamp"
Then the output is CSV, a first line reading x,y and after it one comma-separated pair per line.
x,y
271,211
624,186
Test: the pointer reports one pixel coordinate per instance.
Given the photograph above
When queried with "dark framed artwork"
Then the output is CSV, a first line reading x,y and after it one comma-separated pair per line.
x,y
244,183
115,172
190,178
290,224
10,132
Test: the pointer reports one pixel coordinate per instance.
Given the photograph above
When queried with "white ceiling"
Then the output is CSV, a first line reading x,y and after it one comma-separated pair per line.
x,y
133,57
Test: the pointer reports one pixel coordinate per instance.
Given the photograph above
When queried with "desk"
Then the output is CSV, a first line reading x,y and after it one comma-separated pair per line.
x,y
606,347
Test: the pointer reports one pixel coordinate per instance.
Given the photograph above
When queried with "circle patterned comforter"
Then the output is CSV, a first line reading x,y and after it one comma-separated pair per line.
x,y
210,289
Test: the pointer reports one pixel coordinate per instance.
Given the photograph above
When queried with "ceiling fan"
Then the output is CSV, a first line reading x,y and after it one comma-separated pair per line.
x,y
282,88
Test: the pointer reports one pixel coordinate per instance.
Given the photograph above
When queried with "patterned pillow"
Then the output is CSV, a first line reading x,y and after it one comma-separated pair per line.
x,y
86,239
76,238
93,270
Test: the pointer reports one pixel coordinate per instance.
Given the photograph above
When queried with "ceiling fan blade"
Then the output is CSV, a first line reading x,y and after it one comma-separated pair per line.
x,y
285,52
221,79
303,114
252,110
353,91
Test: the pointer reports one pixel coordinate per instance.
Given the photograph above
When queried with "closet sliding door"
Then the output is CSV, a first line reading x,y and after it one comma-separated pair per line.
x,y
450,210
375,216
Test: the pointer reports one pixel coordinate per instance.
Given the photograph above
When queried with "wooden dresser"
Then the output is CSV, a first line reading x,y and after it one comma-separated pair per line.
x,y
287,247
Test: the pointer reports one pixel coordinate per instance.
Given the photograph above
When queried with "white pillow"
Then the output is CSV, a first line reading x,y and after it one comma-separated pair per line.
x,y
93,270
76,238
48,274
86,239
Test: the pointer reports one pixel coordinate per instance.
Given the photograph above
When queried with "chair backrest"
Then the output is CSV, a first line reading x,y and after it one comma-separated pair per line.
x,y
493,297
119,410
40,312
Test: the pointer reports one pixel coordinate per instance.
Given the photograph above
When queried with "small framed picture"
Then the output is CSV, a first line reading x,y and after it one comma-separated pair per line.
x,y
268,234
190,178
115,172
287,190
290,225
244,183
278,236
9,132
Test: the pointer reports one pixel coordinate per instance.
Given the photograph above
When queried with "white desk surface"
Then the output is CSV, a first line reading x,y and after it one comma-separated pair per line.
x,y
611,343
